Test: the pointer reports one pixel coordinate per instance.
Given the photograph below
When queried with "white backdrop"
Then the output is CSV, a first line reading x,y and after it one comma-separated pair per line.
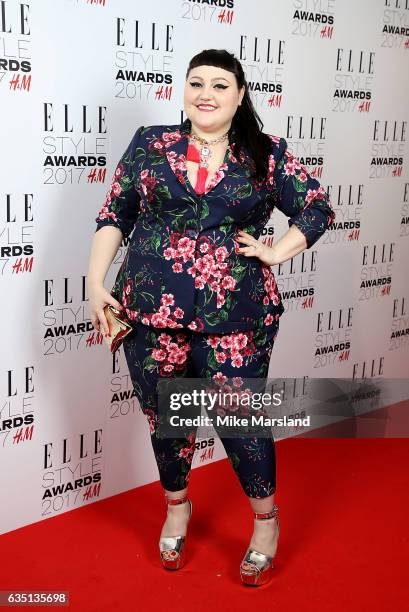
x,y
77,78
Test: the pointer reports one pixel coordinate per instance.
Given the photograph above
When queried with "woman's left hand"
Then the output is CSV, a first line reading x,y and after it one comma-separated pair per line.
x,y
254,248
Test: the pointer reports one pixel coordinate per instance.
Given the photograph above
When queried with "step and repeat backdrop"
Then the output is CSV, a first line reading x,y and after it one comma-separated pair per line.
x,y
77,77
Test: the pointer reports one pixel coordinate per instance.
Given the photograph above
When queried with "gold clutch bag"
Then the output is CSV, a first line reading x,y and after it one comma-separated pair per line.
x,y
119,327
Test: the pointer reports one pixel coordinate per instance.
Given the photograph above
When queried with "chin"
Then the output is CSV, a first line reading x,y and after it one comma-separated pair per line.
x,y
206,119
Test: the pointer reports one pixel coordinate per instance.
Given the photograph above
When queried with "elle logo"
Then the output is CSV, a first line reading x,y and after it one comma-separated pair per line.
x,y
394,131
312,128
124,29
83,122
269,56
360,62
16,22
64,453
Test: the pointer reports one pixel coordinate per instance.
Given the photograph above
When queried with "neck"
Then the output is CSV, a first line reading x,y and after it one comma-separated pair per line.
x,y
210,135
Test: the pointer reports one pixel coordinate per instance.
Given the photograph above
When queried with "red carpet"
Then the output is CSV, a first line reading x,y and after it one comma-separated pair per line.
x,y
343,544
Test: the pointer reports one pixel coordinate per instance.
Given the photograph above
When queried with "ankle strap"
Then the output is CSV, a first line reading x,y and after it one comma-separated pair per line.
x,y
175,502
267,515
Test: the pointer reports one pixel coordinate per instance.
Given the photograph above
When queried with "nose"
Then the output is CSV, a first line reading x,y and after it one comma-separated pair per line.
x,y
205,94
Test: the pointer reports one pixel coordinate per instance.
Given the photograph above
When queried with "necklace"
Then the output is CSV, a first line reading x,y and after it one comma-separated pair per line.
x,y
205,152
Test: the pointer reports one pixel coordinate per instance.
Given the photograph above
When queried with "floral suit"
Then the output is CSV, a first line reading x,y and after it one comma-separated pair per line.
x,y
182,267
183,279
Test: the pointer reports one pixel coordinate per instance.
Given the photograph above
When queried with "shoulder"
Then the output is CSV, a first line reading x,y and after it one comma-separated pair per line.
x,y
273,137
279,146
277,142
157,130
158,136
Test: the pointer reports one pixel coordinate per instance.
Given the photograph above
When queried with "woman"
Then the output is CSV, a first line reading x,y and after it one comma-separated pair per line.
x,y
196,282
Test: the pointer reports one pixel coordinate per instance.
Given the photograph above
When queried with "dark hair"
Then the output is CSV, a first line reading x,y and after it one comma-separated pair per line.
x,y
246,127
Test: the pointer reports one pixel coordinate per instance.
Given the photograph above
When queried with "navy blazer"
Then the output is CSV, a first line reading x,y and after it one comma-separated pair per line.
x,y
182,268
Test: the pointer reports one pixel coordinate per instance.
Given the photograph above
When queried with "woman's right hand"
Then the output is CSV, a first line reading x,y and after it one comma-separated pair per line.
x,y
98,298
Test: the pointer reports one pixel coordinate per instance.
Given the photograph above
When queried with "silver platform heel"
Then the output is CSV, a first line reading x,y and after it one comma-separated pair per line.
x,y
172,548
256,568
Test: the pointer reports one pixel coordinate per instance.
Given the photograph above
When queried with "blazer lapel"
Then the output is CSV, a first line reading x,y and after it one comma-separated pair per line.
x,y
176,152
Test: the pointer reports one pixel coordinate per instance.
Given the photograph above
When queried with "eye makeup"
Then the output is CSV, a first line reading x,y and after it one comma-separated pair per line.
x,y
194,83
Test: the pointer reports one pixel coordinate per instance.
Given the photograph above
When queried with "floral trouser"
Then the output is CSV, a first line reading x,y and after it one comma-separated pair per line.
x,y
152,353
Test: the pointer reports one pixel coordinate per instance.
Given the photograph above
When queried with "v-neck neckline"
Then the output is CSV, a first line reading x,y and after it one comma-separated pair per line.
x,y
210,186
176,153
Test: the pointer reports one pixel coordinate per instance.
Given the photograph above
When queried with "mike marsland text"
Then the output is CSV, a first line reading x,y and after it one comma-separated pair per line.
x,y
235,421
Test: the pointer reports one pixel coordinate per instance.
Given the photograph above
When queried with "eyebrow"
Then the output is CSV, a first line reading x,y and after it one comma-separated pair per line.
x,y
215,79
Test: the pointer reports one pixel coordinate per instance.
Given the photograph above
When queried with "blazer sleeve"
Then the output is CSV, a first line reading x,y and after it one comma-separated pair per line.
x,y
300,196
123,203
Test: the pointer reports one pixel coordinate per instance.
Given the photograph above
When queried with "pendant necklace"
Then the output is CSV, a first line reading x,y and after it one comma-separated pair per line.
x,y
205,151
202,157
